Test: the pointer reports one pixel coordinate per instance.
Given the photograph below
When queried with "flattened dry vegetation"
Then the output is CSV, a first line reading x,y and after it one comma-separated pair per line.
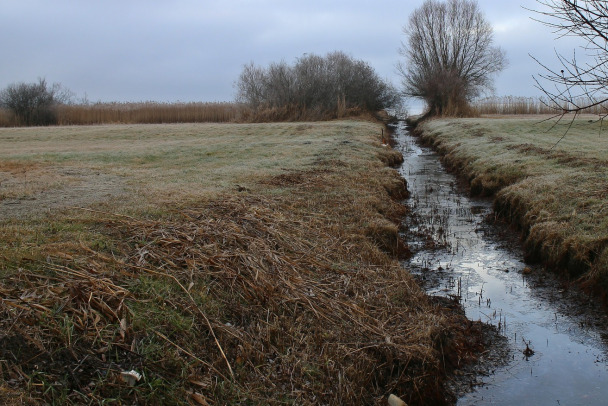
x,y
268,276
554,187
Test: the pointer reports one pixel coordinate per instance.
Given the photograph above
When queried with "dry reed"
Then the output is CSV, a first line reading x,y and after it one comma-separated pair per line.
x,y
138,113
147,113
163,113
254,304
530,105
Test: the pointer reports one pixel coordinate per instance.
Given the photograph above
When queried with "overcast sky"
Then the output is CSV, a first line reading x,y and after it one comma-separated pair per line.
x,y
193,50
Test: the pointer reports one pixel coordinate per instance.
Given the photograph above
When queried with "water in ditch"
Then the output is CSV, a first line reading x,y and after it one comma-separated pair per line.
x,y
557,337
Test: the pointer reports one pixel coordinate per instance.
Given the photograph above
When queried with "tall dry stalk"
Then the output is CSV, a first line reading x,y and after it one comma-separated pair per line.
x,y
147,113
527,105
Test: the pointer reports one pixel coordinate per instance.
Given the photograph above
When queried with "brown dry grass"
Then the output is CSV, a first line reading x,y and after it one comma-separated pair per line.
x,y
550,180
514,105
138,113
167,113
147,113
239,264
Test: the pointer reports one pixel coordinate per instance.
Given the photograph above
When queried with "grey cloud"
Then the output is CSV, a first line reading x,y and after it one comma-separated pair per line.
x,y
193,50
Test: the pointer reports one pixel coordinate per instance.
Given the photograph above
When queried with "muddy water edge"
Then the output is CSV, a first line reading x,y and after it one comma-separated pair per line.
x,y
553,346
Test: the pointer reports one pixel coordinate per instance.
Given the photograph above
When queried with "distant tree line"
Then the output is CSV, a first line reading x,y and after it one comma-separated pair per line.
x,y
314,87
34,103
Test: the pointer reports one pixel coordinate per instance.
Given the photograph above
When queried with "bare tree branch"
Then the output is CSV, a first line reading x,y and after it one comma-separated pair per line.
x,y
449,57
578,86
325,85
33,103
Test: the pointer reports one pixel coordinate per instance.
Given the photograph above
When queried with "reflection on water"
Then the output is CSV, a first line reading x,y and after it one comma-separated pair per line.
x,y
458,252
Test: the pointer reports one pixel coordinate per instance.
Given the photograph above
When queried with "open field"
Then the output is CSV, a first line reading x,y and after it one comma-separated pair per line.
x,y
555,189
249,264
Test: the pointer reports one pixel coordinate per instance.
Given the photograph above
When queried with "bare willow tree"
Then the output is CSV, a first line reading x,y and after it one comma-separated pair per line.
x,y
577,85
449,56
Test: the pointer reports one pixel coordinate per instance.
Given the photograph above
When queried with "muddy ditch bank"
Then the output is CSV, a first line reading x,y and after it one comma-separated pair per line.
x,y
545,194
554,337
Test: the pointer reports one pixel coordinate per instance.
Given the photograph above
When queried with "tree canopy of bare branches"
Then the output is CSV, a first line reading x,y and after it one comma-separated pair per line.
x,y
577,85
33,103
315,87
449,58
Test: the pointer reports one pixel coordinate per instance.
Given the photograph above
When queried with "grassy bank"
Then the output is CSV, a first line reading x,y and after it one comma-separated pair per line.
x,y
555,189
226,264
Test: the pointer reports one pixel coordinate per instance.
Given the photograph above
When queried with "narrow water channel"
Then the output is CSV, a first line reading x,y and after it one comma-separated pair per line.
x,y
557,337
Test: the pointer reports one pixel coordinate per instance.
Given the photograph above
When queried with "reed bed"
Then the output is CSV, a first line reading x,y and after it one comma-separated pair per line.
x,y
147,113
283,288
165,113
508,105
138,113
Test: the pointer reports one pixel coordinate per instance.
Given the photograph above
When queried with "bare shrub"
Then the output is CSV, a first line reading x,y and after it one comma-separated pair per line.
x,y
34,103
315,87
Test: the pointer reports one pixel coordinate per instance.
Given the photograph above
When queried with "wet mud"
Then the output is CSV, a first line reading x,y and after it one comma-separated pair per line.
x,y
553,345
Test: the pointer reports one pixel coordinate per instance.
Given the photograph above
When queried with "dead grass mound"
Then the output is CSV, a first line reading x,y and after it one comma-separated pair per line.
x,y
238,300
